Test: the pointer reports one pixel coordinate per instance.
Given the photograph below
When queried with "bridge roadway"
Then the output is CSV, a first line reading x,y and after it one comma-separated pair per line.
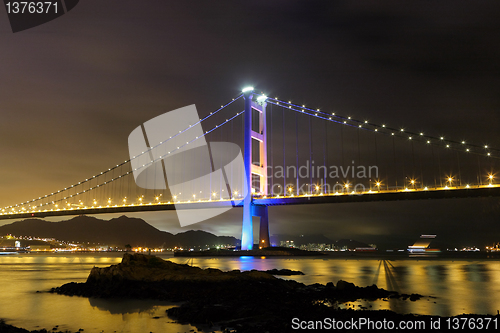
x,y
373,196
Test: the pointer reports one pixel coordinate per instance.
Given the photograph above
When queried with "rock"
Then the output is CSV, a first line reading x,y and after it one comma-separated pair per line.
x,y
249,301
343,285
283,272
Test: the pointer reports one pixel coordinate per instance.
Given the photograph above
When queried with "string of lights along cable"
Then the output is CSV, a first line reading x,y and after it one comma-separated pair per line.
x,y
310,153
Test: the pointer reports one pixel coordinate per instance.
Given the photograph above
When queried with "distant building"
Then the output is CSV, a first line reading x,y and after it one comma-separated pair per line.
x,y
494,248
287,243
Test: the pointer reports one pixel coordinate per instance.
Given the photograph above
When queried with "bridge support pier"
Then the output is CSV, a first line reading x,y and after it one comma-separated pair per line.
x,y
261,211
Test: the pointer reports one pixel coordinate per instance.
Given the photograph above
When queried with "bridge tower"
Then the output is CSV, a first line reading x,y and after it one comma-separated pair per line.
x,y
255,132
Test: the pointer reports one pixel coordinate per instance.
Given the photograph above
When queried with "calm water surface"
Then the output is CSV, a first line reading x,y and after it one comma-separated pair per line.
x,y
460,286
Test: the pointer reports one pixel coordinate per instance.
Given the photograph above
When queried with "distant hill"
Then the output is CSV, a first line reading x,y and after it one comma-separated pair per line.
x,y
115,232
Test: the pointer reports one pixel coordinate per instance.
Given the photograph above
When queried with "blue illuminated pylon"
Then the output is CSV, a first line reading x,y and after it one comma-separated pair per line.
x,y
247,227
260,169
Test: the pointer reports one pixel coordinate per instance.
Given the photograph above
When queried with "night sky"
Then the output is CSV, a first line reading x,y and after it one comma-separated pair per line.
x,y
72,90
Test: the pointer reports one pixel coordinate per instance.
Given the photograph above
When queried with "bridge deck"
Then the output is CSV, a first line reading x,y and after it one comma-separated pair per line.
x,y
274,201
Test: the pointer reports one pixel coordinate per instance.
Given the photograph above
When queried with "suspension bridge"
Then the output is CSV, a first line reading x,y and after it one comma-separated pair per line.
x,y
292,154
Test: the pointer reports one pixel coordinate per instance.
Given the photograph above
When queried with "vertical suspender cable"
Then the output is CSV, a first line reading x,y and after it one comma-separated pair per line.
x,y
434,165
413,158
359,149
394,153
421,170
479,171
439,169
342,144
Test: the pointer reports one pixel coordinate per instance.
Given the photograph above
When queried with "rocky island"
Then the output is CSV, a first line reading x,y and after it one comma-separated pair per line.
x,y
248,301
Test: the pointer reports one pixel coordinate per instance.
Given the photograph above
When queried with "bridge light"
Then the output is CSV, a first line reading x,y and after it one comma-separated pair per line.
x,y
463,142
421,133
402,130
247,89
450,180
486,147
383,125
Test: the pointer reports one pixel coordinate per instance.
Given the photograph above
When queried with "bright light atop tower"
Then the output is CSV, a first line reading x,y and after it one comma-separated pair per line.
x,y
247,89
261,98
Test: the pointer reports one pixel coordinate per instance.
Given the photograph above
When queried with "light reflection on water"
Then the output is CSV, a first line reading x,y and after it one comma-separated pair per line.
x,y
460,286
21,276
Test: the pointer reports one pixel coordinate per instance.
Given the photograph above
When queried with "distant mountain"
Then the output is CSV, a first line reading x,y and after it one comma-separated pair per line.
x,y
115,232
